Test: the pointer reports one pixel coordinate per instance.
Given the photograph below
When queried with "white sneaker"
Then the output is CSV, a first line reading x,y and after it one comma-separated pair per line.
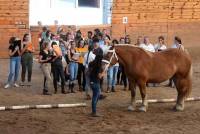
x,y
7,86
16,85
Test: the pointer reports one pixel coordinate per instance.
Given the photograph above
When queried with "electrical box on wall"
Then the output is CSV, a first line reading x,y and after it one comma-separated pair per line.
x,y
125,20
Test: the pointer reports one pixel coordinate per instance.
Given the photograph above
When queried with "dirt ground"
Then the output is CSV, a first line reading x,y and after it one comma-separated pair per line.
x,y
159,119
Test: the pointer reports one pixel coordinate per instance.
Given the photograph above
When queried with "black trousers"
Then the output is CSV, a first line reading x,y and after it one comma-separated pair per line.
x,y
81,76
58,72
124,78
121,73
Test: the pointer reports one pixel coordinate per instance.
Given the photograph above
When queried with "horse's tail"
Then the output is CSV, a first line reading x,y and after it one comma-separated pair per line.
x,y
189,86
190,74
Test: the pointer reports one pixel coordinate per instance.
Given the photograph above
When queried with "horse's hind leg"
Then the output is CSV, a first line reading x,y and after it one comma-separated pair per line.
x,y
142,87
183,87
132,87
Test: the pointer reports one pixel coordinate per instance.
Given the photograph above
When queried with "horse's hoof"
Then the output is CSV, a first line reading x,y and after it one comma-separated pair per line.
x,y
143,109
131,108
178,108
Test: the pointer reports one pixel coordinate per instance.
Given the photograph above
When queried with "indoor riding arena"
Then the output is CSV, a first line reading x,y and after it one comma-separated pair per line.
x,y
40,95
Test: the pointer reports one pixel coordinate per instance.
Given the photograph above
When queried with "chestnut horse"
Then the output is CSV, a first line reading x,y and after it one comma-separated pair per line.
x,y
142,67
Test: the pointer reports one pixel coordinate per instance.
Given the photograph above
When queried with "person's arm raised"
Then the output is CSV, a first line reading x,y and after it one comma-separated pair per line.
x,y
12,53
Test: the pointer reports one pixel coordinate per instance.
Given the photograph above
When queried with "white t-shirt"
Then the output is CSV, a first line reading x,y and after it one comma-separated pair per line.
x,y
158,47
179,46
148,47
91,57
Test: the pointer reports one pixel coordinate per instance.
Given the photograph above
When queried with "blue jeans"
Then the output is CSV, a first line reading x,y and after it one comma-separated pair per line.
x,y
96,92
111,76
14,68
73,70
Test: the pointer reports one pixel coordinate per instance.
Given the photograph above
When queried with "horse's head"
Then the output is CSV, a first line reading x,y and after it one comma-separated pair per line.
x,y
110,58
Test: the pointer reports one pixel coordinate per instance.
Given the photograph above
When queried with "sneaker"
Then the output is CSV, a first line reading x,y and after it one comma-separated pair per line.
x,y
7,86
16,85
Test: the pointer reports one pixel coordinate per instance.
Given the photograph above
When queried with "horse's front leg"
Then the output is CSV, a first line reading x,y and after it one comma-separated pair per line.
x,y
132,87
142,87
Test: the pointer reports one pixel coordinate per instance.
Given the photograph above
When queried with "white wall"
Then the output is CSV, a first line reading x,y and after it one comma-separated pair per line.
x,y
65,11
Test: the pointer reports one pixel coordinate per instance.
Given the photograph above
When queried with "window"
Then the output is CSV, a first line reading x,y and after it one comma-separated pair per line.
x,y
89,3
63,3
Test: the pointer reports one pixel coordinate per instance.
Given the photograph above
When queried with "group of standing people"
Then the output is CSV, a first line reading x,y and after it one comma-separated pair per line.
x,y
68,56
159,46
21,55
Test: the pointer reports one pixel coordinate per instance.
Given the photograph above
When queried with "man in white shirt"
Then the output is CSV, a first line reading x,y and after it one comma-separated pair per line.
x,y
147,45
88,57
161,44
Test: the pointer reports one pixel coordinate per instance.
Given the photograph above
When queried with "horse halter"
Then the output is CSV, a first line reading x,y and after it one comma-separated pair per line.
x,y
114,55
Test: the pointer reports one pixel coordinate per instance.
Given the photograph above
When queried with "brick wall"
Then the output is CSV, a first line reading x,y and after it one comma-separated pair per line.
x,y
158,17
14,21
145,17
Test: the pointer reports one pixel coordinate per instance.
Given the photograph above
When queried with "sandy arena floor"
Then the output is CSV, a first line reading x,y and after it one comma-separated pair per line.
x,y
159,119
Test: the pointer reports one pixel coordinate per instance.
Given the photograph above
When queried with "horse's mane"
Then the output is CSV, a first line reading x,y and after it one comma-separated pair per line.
x,y
133,46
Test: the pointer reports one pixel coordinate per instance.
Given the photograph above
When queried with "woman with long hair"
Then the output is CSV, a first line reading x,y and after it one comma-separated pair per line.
x,y
15,58
96,73
27,59
73,65
82,49
177,45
